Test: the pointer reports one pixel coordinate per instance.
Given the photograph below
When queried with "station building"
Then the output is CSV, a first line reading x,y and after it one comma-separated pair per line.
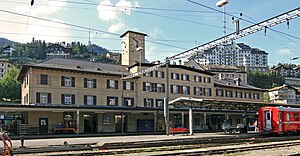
x,y
93,98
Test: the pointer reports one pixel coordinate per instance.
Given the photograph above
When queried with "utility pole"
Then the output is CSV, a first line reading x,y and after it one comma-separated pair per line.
x,y
166,102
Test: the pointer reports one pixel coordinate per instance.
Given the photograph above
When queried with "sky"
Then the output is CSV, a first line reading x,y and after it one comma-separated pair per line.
x,y
172,26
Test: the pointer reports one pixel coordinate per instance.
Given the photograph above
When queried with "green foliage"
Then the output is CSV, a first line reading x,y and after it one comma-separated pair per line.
x,y
265,80
10,88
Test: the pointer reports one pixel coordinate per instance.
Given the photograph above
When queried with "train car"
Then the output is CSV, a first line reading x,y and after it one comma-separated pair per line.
x,y
278,120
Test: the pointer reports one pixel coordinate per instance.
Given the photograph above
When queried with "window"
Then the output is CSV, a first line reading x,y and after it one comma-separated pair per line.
x,y
256,95
239,94
207,92
175,76
68,99
288,118
149,74
90,100
127,85
197,78
197,91
175,89
112,84
44,79
186,90
207,79
219,92
248,95
228,93
106,118
112,101
160,87
185,77
147,86
90,83
148,102
159,102
42,97
68,81
128,101
296,117
160,74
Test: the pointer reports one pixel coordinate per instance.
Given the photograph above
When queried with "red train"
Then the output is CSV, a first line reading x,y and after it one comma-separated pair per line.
x,y
278,120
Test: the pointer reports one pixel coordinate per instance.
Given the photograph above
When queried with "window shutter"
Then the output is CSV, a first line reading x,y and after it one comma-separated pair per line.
x,y
132,102
62,98
131,85
151,73
172,75
156,73
163,74
181,76
152,102
117,102
73,99
85,100
49,98
62,81
107,101
124,85
180,89
85,82
95,100
194,90
116,84
163,88
171,88
94,83
107,84
144,86
188,77
188,90
38,98
73,81
194,78
145,102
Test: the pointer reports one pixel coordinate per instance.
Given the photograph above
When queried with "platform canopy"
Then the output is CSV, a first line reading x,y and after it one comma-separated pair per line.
x,y
217,104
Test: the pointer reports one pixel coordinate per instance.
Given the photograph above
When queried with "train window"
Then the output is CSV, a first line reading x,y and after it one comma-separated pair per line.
x,y
288,117
296,117
268,116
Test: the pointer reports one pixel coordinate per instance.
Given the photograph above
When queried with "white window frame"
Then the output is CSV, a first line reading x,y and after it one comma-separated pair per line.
x,y
43,97
89,100
148,87
89,83
197,78
159,87
159,74
112,84
198,91
175,89
68,81
185,90
149,102
68,99
127,85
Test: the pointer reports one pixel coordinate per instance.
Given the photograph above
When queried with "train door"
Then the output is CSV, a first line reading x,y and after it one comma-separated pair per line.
x,y
280,121
267,120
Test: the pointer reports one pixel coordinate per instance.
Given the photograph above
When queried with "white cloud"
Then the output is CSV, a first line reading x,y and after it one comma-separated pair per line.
x,y
156,33
108,11
116,27
284,52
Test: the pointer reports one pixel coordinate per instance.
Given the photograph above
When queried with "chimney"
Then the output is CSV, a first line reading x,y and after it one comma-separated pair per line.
x,y
179,62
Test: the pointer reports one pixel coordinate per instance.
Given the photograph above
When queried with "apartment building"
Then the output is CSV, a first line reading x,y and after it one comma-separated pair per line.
x,y
4,67
97,99
235,54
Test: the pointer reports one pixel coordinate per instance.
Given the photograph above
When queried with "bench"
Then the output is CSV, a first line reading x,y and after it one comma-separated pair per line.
x,y
178,130
64,130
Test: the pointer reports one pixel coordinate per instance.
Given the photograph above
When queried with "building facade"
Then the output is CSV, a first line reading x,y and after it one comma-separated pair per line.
x,y
285,94
235,54
58,50
4,67
109,103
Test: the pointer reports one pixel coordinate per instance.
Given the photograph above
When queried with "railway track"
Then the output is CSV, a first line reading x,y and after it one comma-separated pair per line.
x,y
166,147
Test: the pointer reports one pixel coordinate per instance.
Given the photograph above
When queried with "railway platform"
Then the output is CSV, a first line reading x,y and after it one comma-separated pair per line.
x,y
43,141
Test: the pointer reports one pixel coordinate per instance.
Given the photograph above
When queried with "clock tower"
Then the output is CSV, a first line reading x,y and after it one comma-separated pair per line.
x,y
133,48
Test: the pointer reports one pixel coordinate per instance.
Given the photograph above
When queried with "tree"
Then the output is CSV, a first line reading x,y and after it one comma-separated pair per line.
x,y
10,88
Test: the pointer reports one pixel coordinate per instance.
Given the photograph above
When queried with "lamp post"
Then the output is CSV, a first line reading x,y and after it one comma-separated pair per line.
x,y
222,3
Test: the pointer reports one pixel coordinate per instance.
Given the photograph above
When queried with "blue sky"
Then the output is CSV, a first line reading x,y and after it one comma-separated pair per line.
x,y
178,23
